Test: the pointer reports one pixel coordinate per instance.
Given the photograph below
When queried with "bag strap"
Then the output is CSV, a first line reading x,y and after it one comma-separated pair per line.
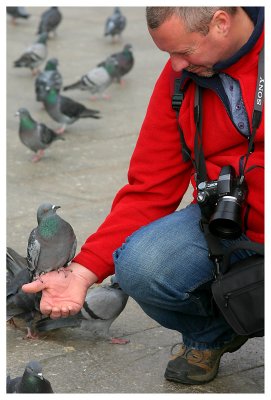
x,y
221,256
240,245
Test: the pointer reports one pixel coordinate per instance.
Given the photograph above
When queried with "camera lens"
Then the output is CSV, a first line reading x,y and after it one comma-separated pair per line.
x,y
226,221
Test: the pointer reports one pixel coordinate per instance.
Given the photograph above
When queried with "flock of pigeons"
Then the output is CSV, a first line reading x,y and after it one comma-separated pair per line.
x,y
52,243
49,83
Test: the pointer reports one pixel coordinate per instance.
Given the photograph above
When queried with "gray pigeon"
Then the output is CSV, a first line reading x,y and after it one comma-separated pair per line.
x,y
103,304
95,81
36,136
115,24
49,21
65,110
24,306
119,63
34,55
32,381
17,12
52,244
50,77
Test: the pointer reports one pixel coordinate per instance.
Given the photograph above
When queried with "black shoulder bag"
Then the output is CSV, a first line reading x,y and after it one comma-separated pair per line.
x,y
238,288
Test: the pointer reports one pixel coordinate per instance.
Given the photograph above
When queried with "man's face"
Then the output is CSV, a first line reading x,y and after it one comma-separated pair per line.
x,y
188,50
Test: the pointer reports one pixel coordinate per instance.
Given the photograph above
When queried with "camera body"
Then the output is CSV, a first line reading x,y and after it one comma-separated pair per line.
x,y
221,203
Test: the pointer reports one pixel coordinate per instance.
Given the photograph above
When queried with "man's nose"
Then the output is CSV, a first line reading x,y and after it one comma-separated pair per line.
x,y
178,63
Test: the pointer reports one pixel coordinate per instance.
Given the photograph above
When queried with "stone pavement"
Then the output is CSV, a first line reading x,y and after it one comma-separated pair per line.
x,y
82,175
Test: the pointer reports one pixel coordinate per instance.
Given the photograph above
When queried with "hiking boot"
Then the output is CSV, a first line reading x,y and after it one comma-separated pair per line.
x,y
194,367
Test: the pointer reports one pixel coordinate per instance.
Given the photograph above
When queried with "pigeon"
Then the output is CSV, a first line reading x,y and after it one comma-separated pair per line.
x,y
52,244
49,20
20,305
32,381
119,63
17,12
103,304
115,24
65,110
95,81
34,135
34,55
50,77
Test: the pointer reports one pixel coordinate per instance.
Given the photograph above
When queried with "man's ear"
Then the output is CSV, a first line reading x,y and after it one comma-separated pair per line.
x,y
221,22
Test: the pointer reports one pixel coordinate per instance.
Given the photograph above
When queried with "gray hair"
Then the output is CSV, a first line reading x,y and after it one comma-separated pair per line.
x,y
196,19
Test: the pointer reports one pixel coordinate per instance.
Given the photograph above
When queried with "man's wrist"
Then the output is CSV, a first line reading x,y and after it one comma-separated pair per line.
x,y
84,273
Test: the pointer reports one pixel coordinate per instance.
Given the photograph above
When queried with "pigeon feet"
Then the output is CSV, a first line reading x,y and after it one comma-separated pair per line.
x,y
35,71
64,271
12,323
38,156
60,130
39,277
119,341
103,96
30,335
106,96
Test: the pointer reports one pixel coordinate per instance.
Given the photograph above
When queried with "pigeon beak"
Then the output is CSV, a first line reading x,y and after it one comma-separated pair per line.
x,y
55,207
17,114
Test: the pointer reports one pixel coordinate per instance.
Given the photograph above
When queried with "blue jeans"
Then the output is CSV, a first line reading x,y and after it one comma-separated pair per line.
x,y
165,267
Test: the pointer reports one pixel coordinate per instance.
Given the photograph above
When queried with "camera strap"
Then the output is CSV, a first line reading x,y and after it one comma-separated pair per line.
x,y
199,162
257,111
216,251
200,165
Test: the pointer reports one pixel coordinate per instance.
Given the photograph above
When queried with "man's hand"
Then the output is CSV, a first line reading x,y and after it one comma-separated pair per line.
x,y
63,292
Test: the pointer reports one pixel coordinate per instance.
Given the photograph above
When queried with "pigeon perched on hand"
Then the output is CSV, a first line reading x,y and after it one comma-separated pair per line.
x,y
50,77
20,305
36,136
115,24
49,21
32,381
34,55
65,110
103,304
17,12
119,63
52,244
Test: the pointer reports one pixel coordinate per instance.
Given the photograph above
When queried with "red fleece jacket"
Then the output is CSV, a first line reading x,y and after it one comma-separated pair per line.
x,y
158,178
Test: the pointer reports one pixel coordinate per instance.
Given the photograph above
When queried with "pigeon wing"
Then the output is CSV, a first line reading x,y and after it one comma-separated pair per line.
x,y
33,251
47,135
70,107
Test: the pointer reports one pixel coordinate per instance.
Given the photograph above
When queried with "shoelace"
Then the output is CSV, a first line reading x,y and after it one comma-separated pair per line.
x,y
197,355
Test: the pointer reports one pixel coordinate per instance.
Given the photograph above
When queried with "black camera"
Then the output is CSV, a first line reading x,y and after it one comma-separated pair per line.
x,y
221,202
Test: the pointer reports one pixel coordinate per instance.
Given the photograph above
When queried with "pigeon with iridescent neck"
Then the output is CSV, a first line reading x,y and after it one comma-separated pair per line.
x,y
49,21
49,77
17,12
96,81
34,55
120,63
34,135
32,381
102,305
52,244
20,305
115,24
65,110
